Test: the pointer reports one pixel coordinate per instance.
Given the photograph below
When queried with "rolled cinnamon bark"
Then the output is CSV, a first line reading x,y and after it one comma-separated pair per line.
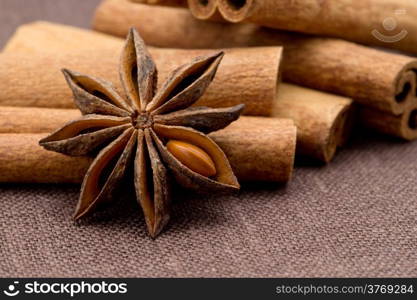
x,y
386,23
205,9
323,121
23,160
316,139
373,78
179,3
201,9
259,149
246,75
404,126
155,24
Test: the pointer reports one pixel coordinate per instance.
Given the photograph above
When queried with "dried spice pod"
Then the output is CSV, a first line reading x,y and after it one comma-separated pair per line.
x,y
247,75
324,122
138,139
371,77
103,175
259,149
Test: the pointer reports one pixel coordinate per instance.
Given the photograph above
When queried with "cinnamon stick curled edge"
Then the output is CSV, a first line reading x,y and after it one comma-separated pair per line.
x,y
324,121
377,79
178,3
259,149
320,117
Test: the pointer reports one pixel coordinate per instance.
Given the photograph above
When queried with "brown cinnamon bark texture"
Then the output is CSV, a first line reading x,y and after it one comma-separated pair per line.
x,y
323,121
259,149
205,9
403,126
179,3
373,78
386,23
320,117
34,119
246,75
23,160
45,37
201,9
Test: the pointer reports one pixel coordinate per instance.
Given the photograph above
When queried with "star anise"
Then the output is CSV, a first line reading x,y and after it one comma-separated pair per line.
x,y
158,132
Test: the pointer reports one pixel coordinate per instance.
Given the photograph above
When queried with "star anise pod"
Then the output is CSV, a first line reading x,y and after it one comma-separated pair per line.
x,y
158,132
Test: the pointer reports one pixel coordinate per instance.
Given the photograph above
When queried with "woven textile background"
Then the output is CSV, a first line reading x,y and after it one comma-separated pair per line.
x,y
355,217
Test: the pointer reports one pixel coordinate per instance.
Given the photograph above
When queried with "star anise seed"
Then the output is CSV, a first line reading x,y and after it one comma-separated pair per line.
x,y
137,130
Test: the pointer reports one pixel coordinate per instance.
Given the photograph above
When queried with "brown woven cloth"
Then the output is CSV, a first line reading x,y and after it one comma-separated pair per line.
x,y
355,217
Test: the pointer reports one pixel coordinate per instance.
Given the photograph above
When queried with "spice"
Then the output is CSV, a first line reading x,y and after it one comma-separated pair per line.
x,y
403,126
258,149
247,75
128,132
205,10
373,78
365,21
324,121
34,119
22,160
182,3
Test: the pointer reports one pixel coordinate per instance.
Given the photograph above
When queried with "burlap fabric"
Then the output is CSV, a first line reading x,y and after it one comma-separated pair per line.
x,y
355,217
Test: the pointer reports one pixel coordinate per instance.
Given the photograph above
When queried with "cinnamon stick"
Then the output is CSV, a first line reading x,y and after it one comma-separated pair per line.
x,y
46,37
385,23
403,126
201,9
34,119
179,3
259,149
23,160
246,75
318,129
205,9
377,79
323,121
